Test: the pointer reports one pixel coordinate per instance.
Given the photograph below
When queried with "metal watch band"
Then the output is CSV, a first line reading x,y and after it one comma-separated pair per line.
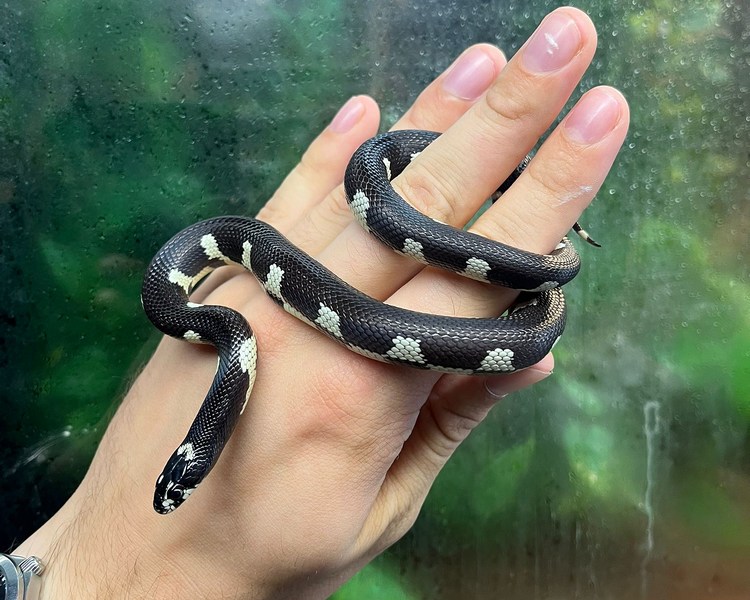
x,y
20,576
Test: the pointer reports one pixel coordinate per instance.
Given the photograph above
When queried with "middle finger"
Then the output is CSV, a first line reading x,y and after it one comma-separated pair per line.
x,y
478,152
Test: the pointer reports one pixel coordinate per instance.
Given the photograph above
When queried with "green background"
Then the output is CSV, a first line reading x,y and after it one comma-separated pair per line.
x,y
625,475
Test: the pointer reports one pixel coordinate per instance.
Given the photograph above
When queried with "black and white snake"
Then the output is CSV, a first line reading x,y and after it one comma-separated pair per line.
x,y
312,293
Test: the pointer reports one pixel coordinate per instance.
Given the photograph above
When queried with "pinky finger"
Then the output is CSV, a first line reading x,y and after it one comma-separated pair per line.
x,y
455,407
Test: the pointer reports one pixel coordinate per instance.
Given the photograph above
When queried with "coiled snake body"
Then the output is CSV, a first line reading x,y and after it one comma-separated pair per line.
x,y
312,293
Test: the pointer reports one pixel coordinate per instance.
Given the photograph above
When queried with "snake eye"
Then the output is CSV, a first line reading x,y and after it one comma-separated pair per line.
x,y
177,493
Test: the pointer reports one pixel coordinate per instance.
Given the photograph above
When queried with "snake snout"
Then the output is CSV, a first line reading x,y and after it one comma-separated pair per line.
x,y
176,482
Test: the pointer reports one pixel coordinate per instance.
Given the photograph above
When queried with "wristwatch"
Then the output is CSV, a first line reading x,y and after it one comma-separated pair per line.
x,y
19,577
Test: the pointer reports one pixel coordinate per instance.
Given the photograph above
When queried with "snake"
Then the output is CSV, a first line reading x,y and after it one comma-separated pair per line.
x,y
312,293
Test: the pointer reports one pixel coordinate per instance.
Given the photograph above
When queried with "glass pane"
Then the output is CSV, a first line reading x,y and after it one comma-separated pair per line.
x,y
625,475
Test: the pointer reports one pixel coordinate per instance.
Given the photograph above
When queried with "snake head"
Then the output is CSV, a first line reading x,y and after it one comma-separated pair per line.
x,y
178,480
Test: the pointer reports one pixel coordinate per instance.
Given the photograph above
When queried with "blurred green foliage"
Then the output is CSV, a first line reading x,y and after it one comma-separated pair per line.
x,y
123,121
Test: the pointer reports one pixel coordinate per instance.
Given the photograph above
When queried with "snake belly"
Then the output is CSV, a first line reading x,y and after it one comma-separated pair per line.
x,y
315,295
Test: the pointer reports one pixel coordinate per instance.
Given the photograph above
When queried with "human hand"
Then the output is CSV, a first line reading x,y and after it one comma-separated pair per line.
x,y
335,453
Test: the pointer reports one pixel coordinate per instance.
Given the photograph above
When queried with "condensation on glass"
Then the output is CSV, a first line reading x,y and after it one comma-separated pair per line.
x,y
625,475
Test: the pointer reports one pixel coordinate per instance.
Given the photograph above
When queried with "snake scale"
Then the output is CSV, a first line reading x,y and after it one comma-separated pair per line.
x,y
312,293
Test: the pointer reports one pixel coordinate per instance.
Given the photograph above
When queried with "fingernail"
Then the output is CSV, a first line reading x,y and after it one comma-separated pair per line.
x,y
554,43
593,117
497,394
348,115
499,387
471,75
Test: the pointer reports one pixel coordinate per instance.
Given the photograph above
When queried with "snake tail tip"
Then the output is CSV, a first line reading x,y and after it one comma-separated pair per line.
x,y
583,234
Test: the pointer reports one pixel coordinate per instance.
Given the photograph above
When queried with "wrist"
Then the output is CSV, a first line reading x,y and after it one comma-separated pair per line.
x,y
85,559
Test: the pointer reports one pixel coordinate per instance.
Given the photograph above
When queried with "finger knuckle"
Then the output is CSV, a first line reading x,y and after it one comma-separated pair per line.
x,y
501,107
551,182
271,212
427,110
430,192
337,208
448,429
330,216
454,426
504,228
310,162
398,524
